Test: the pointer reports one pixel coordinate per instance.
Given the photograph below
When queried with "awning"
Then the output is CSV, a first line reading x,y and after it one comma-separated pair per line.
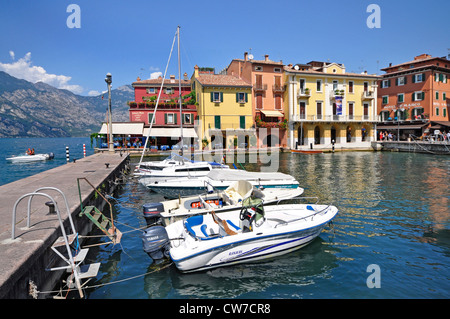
x,y
123,128
401,127
272,113
170,132
440,123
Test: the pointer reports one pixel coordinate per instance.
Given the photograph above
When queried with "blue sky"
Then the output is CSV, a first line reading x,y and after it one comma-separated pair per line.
x,y
133,38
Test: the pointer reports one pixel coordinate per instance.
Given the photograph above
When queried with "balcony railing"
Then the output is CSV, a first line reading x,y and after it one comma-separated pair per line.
x,y
303,93
368,95
337,93
260,87
332,118
278,88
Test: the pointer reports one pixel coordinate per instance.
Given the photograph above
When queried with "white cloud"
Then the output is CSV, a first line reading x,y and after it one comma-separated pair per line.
x,y
155,75
93,93
12,55
23,69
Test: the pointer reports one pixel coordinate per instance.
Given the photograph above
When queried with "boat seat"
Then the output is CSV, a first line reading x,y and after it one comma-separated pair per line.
x,y
224,225
196,222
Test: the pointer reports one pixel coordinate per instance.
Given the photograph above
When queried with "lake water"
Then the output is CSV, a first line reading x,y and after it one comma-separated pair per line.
x,y
394,215
392,230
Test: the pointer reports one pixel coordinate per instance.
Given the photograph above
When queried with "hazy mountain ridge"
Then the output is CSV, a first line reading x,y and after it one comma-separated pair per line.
x,y
41,110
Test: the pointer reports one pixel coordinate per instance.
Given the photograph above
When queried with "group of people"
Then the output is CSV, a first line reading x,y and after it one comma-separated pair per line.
x,y
30,151
386,136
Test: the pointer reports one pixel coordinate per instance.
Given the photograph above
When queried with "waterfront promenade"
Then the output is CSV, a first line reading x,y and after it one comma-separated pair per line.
x,y
25,258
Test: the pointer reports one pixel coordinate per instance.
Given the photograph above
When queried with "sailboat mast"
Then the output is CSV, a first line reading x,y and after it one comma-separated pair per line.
x,y
179,89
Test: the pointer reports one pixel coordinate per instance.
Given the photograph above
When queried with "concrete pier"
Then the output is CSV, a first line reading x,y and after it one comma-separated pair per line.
x,y
436,147
24,259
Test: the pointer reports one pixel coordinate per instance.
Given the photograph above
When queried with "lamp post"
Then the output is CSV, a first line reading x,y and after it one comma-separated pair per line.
x,y
108,81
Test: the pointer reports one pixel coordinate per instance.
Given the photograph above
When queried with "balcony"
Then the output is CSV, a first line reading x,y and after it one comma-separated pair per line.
x,y
278,88
258,87
368,95
303,93
333,118
337,94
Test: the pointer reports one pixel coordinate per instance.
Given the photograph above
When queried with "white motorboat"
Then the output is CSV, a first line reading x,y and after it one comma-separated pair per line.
x,y
175,166
218,180
231,198
244,235
30,158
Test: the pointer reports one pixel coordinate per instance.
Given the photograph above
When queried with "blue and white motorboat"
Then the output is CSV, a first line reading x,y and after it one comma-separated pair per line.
x,y
245,235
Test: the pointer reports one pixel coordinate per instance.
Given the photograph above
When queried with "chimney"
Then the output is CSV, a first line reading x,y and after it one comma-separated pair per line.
x,y
185,76
390,64
266,57
172,77
245,56
196,71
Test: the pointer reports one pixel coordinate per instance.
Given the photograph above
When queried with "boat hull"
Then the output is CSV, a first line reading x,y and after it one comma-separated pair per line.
x,y
248,251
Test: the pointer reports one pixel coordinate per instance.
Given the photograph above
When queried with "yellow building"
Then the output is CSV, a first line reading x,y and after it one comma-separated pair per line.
x,y
224,109
326,105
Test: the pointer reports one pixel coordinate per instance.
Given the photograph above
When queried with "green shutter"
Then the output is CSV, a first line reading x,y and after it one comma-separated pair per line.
x,y
389,83
414,78
237,97
221,96
404,79
441,77
217,121
423,96
242,122
212,96
165,118
175,118
246,97
396,82
413,97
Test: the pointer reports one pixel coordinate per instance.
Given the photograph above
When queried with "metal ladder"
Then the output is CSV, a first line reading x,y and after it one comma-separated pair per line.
x,y
74,255
105,224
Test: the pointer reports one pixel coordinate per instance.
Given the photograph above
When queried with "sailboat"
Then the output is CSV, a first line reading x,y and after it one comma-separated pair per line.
x,y
175,165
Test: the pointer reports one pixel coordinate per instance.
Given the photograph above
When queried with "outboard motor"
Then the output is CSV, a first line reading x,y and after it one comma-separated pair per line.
x,y
155,242
152,212
51,156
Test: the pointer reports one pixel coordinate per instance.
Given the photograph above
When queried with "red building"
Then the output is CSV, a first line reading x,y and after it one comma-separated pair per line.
x,y
414,97
167,117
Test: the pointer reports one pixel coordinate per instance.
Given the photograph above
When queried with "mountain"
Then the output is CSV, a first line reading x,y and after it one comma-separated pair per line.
x,y
41,110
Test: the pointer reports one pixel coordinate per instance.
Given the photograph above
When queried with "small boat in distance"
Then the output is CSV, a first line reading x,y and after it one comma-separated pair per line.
x,y
30,158
307,151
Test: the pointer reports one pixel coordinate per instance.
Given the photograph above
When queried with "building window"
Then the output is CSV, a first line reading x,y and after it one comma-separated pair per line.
x,y
170,118
437,111
241,97
335,85
444,112
216,97
401,81
150,118
437,95
366,111
277,101
319,85
302,110
350,111
386,83
242,122
400,98
259,101
444,96
319,110
188,118
350,86
169,91
418,96
417,78
217,122
151,90
258,68
385,99
278,70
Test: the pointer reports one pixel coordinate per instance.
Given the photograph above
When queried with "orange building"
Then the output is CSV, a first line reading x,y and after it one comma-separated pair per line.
x,y
266,76
414,97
